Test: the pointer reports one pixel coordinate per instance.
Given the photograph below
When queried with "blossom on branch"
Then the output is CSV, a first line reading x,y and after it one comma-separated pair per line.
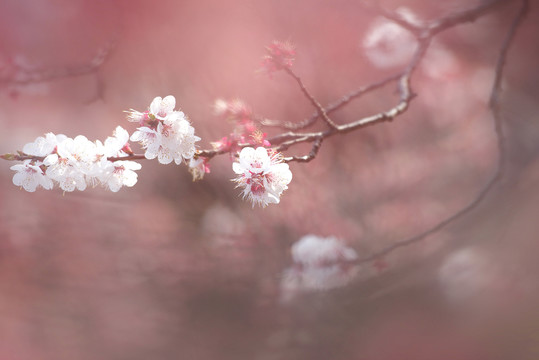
x,y
262,175
121,173
118,144
43,146
76,163
162,108
166,133
30,176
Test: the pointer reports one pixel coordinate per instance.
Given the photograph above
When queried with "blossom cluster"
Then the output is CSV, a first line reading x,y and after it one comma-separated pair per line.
x,y
164,133
76,163
319,264
262,175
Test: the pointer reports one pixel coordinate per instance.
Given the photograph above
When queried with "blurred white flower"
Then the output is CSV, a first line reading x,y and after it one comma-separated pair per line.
x,y
30,176
466,274
388,44
220,107
312,250
319,264
262,175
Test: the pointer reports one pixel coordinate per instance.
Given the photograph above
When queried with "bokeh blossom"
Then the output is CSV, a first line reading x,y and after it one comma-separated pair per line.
x,y
388,44
319,264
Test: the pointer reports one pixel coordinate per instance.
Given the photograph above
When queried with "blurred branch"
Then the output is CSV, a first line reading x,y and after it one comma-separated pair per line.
x,y
406,95
435,26
460,17
494,105
427,31
19,74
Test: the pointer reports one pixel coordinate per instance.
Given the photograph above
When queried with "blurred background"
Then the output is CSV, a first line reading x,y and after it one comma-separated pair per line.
x,y
175,269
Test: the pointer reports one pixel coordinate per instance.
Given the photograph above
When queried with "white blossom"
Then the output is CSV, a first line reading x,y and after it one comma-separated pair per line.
x,y
70,162
29,176
78,162
65,172
262,176
43,146
121,173
172,138
149,139
162,108
115,144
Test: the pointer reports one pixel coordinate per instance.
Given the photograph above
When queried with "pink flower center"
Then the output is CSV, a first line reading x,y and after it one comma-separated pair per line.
x,y
119,169
257,184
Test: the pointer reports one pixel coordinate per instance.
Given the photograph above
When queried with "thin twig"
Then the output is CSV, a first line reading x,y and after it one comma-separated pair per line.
x,y
312,154
353,95
314,102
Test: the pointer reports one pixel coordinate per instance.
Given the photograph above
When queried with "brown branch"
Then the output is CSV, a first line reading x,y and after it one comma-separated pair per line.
x,y
353,95
457,18
311,155
22,156
494,106
423,33
406,95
